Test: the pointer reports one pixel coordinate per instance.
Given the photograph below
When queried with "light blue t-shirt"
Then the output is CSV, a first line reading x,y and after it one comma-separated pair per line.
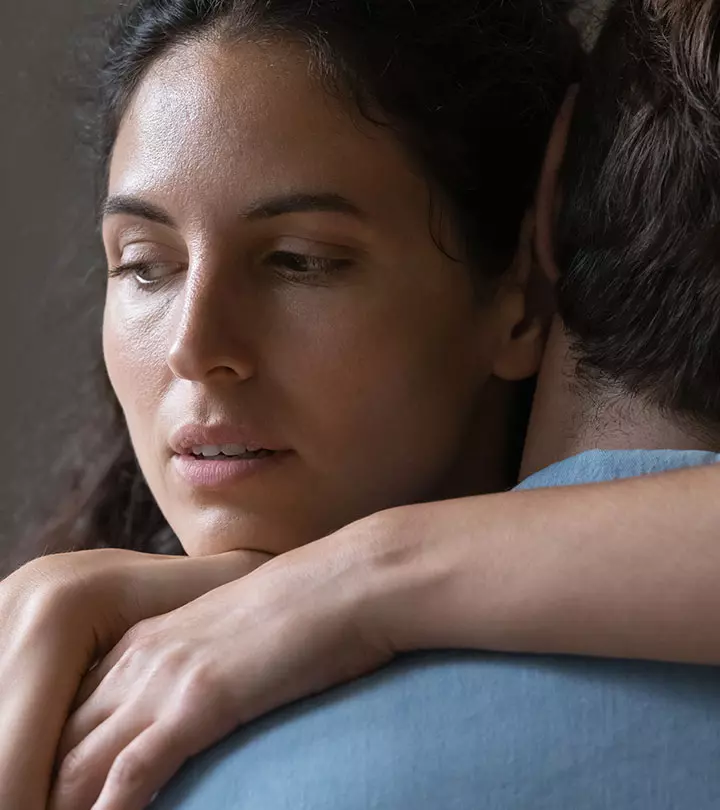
x,y
609,465
467,731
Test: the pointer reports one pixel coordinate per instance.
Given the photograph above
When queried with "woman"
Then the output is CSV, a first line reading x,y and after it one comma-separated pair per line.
x,y
316,311
442,120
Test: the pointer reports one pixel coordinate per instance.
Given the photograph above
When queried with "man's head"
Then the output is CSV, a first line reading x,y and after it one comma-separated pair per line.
x,y
637,241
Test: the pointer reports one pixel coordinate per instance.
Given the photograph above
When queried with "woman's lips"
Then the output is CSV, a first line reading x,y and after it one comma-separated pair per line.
x,y
189,437
213,474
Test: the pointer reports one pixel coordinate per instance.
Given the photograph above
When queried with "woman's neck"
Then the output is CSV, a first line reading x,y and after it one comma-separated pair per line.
x,y
492,448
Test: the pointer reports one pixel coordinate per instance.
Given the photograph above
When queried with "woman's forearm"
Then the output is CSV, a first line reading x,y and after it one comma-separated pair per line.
x,y
58,615
40,669
623,569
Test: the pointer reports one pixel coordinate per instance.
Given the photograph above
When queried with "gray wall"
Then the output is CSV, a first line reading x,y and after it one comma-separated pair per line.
x,y
50,308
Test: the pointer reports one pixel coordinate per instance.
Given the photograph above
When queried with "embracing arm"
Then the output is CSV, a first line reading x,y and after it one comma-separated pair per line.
x,y
624,569
36,691
621,569
58,615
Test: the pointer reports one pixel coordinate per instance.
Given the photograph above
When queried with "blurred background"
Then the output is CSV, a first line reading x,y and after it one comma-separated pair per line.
x,y
52,277
51,300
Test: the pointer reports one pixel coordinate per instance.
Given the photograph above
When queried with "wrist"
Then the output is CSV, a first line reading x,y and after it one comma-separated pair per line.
x,y
447,576
402,574
43,606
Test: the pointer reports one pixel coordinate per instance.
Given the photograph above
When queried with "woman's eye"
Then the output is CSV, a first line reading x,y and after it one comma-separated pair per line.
x,y
301,264
146,274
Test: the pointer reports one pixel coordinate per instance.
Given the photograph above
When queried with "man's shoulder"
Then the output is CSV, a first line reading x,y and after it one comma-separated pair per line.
x,y
608,465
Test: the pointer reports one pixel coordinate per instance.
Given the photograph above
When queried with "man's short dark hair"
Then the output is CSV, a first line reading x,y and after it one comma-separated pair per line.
x,y
638,235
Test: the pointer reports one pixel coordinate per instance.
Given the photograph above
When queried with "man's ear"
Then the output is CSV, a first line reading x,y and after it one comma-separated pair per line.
x,y
548,195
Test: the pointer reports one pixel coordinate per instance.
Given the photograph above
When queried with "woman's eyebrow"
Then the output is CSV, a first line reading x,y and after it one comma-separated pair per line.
x,y
300,203
267,209
134,206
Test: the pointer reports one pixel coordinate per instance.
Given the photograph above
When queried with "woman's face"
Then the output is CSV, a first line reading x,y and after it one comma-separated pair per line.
x,y
290,347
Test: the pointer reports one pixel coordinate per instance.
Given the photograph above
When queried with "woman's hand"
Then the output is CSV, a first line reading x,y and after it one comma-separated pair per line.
x,y
179,683
58,614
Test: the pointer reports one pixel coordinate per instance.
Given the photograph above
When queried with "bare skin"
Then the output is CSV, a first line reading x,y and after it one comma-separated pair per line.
x,y
59,615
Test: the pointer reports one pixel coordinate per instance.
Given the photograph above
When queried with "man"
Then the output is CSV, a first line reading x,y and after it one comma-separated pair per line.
x,y
636,248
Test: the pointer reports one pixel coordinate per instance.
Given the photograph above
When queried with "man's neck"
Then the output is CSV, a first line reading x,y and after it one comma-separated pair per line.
x,y
568,420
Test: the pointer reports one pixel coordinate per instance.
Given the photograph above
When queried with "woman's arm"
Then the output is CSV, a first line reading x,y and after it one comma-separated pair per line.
x,y
624,569
41,664
58,615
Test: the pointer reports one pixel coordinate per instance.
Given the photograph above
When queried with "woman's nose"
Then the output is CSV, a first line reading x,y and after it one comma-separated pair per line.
x,y
214,330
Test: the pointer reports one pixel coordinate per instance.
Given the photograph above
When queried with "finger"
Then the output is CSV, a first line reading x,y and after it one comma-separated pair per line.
x,y
210,573
144,768
80,726
89,686
84,770
151,585
97,675
92,707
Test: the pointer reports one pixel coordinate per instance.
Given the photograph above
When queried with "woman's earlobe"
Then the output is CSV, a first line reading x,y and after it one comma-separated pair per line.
x,y
521,356
525,309
524,332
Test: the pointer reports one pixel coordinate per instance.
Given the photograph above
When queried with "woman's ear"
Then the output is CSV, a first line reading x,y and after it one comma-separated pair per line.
x,y
525,303
548,194
523,312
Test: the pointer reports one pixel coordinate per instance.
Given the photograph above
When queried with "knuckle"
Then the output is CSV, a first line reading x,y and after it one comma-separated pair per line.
x,y
140,639
133,659
133,638
130,769
201,688
142,655
141,635
72,771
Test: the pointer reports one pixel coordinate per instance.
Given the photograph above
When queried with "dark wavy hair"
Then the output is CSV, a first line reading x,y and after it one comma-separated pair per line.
x,y
470,87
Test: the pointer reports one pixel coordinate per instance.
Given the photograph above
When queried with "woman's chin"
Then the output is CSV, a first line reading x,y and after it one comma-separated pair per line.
x,y
220,530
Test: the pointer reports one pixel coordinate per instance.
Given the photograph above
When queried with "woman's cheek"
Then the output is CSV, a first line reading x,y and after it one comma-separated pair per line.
x,y
135,349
